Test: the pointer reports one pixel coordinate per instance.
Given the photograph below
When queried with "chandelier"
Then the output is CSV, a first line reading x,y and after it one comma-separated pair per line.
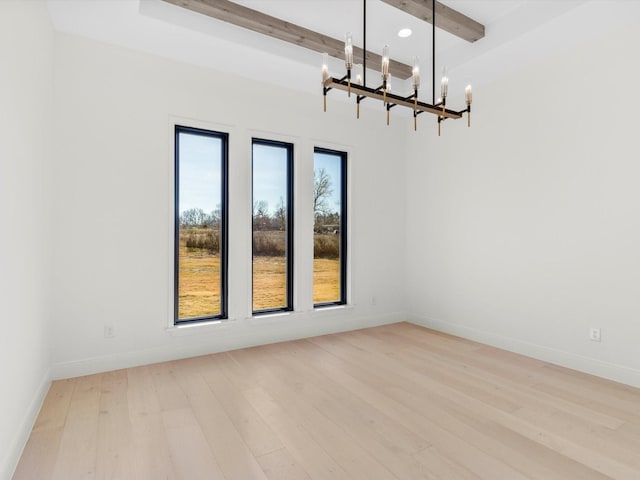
x,y
383,92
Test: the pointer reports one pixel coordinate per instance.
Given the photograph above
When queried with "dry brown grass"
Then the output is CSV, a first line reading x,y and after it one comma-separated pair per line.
x,y
269,282
200,282
326,276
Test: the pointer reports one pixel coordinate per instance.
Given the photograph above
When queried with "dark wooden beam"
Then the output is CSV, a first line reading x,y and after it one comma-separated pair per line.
x,y
447,19
256,21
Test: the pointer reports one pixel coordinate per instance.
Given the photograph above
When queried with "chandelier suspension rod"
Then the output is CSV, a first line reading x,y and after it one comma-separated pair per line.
x,y
433,53
364,42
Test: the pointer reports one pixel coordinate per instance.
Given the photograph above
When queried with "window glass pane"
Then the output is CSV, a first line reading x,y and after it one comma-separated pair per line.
x,y
200,236
329,268
271,226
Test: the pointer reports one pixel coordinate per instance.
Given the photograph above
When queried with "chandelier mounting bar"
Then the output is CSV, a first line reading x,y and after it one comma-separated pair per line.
x,y
391,99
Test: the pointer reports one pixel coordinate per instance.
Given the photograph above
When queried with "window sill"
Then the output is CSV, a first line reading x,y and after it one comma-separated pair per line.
x,y
269,318
198,328
328,310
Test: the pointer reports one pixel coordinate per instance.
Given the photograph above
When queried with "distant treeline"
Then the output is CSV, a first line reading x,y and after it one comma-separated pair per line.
x,y
265,243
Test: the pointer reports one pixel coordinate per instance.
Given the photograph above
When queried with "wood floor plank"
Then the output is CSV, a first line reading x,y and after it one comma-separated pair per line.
x,y
150,448
350,452
169,394
114,443
438,465
78,445
410,384
280,465
54,409
255,432
40,455
231,453
190,453
142,396
401,463
297,440
517,393
433,422
393,402
345,409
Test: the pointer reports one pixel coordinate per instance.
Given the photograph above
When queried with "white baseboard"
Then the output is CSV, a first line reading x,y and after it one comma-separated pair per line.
x,y
610,371
229,337
10,462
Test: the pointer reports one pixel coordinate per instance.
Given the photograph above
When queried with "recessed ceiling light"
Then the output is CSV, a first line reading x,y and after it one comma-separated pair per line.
x,y
404,33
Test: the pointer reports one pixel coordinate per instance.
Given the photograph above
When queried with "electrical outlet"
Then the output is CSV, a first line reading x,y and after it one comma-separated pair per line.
x,y
109,331
594,334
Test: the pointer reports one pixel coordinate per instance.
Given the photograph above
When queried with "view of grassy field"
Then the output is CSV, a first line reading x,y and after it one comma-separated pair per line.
x,y
199,281
269,282
202,216
326,280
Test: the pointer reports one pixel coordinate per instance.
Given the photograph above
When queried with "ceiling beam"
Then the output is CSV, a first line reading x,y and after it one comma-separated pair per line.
x,y
256,21
447,19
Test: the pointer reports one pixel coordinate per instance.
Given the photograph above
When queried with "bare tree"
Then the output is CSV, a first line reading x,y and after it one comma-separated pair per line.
x,y
260,214
213,219
281,215
193,217
321,192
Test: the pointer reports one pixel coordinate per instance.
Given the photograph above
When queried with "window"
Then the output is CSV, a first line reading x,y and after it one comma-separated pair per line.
x,y
329,228
272,173
200,243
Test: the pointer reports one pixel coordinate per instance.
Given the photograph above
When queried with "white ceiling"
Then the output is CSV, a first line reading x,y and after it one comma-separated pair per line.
x,y
518,32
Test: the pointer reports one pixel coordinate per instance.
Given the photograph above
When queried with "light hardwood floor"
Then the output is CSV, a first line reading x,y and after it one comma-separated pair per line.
x,y
393,402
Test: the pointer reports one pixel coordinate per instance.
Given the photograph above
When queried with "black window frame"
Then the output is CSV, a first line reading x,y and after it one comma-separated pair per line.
x,y
343,226
224,226
290,225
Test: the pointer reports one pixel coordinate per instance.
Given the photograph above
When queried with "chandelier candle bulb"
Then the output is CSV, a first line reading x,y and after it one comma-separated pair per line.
x,y
385,62
325,68
468,97
325,77
416,74
348,51
348,59
385,71
444,86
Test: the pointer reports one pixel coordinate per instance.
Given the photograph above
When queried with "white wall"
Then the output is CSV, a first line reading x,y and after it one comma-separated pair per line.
x,y
113,114
26,39
524,231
